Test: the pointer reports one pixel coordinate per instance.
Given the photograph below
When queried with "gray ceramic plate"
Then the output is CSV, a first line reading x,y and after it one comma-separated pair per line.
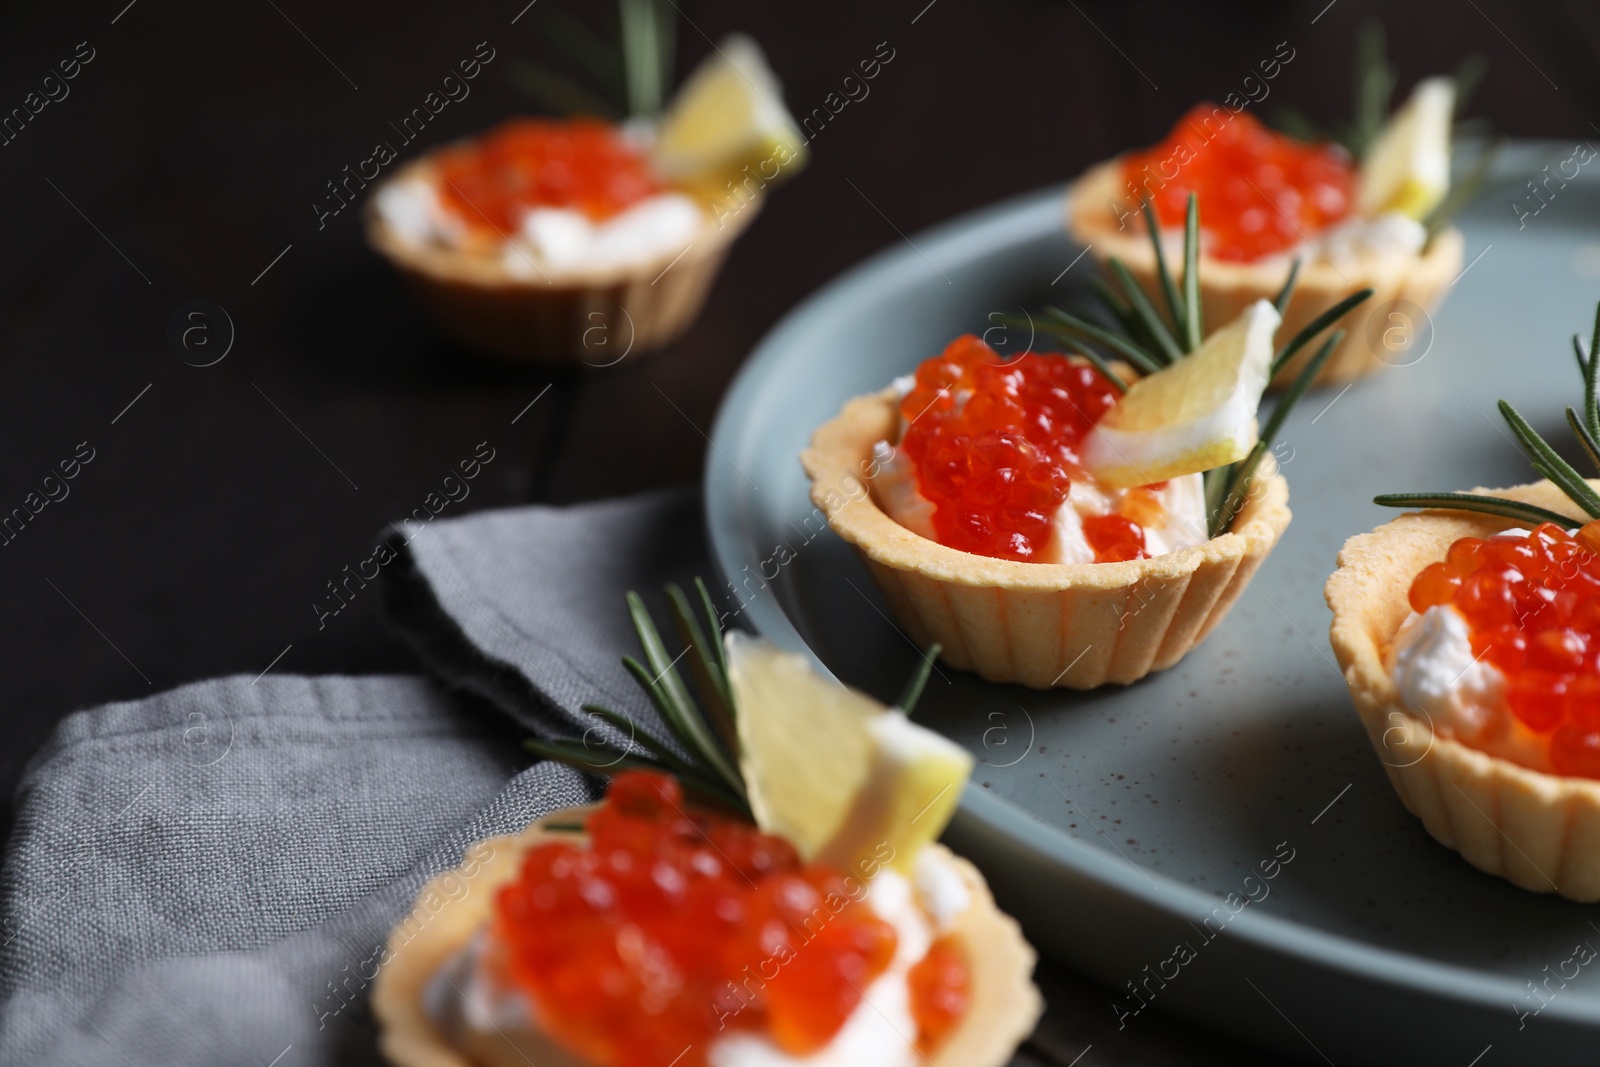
x,y
1115,824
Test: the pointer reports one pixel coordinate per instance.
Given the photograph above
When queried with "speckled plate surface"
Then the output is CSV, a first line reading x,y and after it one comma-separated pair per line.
x,y
1115,824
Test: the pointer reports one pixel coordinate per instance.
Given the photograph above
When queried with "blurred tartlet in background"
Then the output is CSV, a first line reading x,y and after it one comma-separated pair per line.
x,y
1367,206
582,240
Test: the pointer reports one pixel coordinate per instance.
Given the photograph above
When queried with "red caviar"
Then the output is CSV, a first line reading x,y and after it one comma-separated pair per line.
x,y
675,926
581,164
1532,605
940,991
1261,192
996,464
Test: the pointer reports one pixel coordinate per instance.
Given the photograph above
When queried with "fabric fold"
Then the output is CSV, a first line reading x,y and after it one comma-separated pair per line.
x,y
209,876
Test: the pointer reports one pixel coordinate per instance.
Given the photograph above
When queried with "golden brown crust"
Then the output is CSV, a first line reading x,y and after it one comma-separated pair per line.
x,y
1004,1006
1041,624
590,317
448,912
1539,831
1227,288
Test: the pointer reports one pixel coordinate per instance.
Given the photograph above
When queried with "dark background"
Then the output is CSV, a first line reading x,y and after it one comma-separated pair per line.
x,y
191,149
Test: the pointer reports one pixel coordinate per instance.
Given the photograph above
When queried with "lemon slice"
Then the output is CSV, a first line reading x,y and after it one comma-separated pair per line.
x,y
728,116
1407,167
844,779
1197,414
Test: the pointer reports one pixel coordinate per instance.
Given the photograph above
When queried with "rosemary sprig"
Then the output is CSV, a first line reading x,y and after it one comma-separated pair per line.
x,y
1101,365
1373,87
701,748
1167,349
1318,324
1548,463
1487,505
1175,302
647,54
1281,301
1120,311
1194,324
1072,328
1227,487
633,77
1544,459
919,679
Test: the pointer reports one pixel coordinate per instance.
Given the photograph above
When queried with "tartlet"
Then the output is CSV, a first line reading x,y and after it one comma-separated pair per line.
x,y
594,316
1076,626
584,242
1003,1010
1472,653
1227,288
763,885
1384,216
1074,520
1538,830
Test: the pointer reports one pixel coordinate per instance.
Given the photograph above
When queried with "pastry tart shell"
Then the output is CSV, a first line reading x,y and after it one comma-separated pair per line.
x,y
1003,1010
594,317
1227,287
1539,831
1074,626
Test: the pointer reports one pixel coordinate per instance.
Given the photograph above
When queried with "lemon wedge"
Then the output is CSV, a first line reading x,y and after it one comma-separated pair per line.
x,y
1194,415
728,116
1407,168
844,779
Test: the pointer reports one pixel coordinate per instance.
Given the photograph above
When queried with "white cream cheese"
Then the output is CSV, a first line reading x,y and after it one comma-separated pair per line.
x,y
1183,522
412,209
1457,694
1354,240
550,241
941,890
1437,674
1389,236
563,240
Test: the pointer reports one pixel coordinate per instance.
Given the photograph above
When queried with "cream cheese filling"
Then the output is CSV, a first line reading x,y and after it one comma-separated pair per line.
x,y
1390,239
550,241
1458,695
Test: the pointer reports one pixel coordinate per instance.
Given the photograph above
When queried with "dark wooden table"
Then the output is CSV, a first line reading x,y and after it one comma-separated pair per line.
x,y
182,163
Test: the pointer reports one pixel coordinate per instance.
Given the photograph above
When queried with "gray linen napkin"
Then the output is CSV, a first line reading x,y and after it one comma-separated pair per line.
x,y
525,608
205,877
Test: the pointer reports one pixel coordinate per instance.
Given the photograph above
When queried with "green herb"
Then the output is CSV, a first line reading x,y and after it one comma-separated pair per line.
x,y
701,749
1585,429
1372,86
919,678
647,43
1149,343
1373,81
632,79
1317,325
